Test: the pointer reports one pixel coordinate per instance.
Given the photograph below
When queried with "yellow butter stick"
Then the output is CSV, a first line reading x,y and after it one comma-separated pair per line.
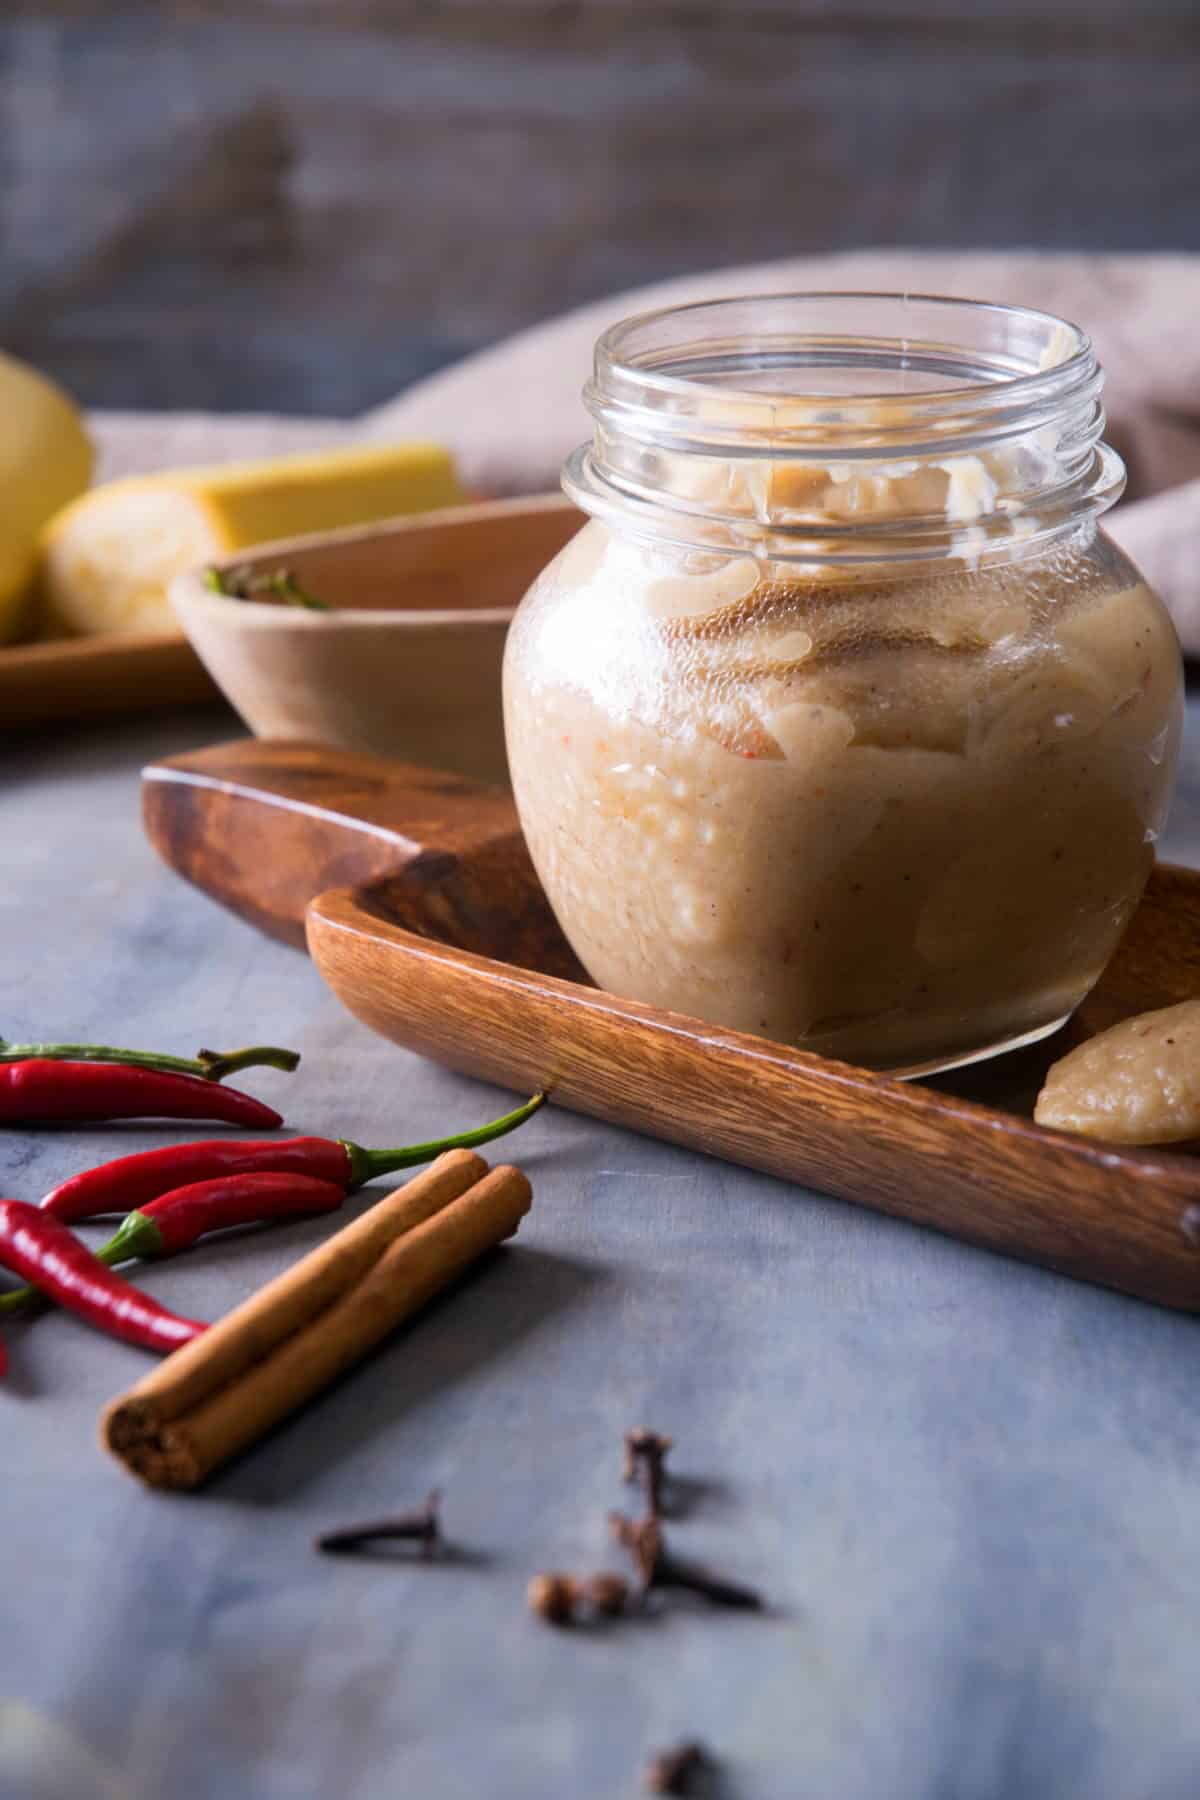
x,y
107,560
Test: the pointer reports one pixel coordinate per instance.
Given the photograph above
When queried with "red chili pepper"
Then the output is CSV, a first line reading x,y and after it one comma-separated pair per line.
x,y
52,1258
42,1090
131,1181
176,1219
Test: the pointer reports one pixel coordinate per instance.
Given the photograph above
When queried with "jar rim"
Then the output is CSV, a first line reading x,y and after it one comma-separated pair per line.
x,y
643,352
711,431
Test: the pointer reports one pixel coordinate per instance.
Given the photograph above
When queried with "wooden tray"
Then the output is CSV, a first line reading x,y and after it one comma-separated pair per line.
x,y
423,912
92,678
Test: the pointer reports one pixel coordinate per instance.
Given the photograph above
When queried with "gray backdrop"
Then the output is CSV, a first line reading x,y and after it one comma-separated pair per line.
x,y
303,204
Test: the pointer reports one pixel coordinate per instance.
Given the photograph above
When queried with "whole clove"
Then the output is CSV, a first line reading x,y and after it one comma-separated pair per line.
x,y
418,1524
657,1568
606,1595
552,1597
645,1456
564,1599
674,1771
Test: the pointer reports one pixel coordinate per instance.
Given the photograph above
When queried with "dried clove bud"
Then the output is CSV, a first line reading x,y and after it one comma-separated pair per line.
x,y
552,1597
673,1771
563,1599
645,1456
606,1594
657,1568
421,1524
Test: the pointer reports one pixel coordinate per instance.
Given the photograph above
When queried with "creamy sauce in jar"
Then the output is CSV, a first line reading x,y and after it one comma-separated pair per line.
x,y
895,813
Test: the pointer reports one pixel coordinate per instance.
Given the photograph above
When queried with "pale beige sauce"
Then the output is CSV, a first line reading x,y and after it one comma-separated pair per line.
x,y
892,821
1138,1083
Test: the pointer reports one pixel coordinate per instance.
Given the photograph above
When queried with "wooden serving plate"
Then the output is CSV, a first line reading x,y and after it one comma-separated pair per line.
x,y
422,910
90,678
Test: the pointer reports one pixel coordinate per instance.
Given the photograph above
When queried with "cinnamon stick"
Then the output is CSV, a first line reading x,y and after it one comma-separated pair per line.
x,y
293,1299
299,1333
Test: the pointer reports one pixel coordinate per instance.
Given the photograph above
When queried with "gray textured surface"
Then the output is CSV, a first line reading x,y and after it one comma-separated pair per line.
x,y
971,1487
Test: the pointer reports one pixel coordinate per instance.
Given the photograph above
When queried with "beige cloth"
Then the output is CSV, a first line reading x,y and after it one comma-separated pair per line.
x,y
512,413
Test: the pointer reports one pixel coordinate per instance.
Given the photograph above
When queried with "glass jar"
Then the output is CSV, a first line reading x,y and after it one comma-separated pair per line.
x,y
841,722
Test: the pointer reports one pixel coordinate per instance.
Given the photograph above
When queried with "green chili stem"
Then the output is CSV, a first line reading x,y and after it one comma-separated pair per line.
x,y
210,1064
17,1299
136,1236
368,1165
257,1056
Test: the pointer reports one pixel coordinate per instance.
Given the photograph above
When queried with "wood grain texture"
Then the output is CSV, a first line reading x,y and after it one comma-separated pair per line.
x,y
991,1177
265,826
453,952
306,207
91,678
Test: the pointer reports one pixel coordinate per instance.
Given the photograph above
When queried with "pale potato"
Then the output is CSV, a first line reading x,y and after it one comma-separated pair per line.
x,y
1138,1083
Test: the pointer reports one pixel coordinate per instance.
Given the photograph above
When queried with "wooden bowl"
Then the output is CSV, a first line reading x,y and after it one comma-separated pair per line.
x,y
408,663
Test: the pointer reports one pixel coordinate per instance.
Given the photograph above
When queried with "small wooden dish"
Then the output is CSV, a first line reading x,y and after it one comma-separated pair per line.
x,y
408,663
423,912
